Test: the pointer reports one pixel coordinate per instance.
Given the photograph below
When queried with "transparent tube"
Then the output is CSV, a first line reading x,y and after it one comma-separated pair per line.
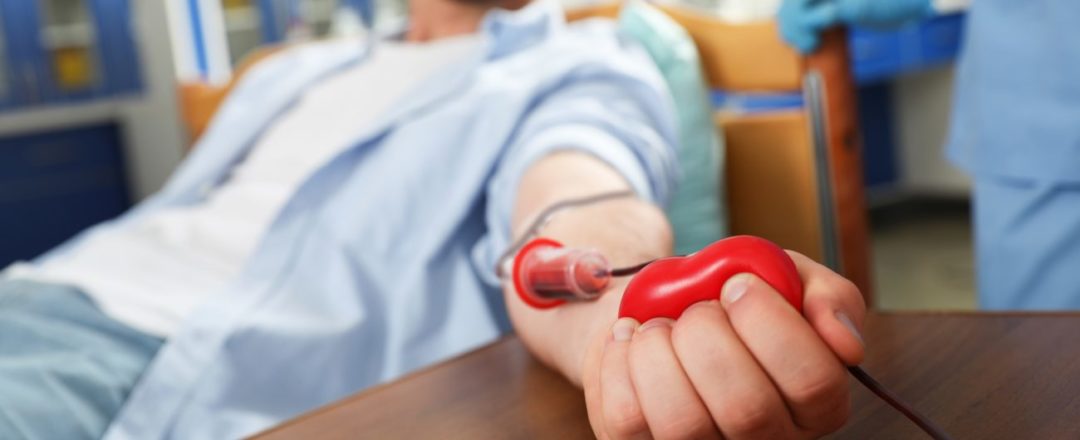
x,y
564,273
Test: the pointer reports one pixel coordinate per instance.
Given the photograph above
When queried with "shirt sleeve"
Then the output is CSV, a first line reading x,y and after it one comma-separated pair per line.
x,y
626,122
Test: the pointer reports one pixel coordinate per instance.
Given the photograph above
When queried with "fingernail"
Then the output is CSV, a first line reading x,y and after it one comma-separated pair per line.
x,y
734,288
655,323
844,319
623,329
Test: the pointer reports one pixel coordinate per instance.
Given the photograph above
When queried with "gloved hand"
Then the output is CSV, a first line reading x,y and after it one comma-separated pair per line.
x,y
801,21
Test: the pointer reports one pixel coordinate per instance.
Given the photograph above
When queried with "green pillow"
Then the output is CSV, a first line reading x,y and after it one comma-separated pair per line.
x,y
695,210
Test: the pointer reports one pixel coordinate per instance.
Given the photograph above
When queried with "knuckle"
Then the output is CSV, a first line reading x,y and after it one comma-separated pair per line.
x,y
820,386
747,417
624,420
839,285
829,417
683,427
695,319
848,289
836,289
643,344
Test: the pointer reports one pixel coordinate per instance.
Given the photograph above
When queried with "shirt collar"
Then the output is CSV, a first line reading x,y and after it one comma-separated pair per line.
x,y
512,31
509,31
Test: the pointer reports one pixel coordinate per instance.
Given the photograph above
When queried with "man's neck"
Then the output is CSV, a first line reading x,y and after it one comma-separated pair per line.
x,y
434,19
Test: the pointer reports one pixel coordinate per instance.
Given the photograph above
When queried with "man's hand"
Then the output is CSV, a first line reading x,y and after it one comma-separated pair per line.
x,y
745,366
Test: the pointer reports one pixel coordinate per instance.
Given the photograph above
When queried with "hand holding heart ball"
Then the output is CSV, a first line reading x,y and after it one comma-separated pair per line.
x,y
667,287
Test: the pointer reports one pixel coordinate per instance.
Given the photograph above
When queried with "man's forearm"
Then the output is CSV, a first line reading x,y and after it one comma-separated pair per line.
x,y
627,231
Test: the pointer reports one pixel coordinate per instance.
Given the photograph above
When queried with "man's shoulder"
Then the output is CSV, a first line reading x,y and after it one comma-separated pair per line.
x,y
595,38
593,45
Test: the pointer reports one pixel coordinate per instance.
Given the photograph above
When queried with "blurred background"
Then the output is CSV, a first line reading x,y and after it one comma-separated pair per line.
x,y
96,111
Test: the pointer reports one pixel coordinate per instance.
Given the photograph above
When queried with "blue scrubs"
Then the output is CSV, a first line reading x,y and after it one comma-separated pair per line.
x,y
1027,242
1016,130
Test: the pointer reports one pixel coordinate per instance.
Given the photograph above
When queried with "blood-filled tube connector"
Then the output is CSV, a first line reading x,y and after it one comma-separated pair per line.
x,y
547,274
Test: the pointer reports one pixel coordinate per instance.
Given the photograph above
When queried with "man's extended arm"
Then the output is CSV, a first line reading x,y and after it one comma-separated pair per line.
x,y
627,231
748,367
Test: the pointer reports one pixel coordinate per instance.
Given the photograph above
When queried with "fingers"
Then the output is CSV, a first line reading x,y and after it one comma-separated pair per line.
x,y
748,367
590,381
621,415
668,399
739,396
834,308
803,368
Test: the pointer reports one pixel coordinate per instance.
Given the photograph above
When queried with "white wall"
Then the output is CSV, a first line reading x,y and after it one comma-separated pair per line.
x,y
922,102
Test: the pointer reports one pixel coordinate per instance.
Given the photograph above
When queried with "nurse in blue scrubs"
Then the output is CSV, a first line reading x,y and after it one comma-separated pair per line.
x,y
1015,130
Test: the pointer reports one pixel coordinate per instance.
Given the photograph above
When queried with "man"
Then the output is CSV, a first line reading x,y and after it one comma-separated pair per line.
x,y
339,225
1014,130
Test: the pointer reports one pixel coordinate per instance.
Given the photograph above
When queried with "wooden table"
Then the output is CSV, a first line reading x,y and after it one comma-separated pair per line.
x,y
997,376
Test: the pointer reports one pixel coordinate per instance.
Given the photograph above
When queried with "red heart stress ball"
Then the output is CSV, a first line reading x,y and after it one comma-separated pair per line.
x,y
546,274
668,286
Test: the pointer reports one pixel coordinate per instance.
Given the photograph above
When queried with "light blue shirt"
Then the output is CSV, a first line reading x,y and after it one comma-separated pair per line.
x,y
382,261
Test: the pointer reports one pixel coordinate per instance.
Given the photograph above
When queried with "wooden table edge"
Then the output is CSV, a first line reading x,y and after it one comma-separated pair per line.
x,y
430,369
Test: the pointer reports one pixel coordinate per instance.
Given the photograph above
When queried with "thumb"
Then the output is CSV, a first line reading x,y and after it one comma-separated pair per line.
x,y
834,307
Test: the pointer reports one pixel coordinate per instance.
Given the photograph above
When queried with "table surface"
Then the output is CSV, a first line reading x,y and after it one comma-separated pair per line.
x,y
980,376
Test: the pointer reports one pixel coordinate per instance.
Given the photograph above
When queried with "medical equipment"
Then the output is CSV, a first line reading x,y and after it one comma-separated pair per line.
x,y
546,274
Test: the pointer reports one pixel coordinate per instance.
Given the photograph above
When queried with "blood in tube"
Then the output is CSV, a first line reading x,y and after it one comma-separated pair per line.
x,y
546,271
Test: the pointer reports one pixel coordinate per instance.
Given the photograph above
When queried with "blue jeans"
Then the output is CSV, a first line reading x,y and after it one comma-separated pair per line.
x,y
65,367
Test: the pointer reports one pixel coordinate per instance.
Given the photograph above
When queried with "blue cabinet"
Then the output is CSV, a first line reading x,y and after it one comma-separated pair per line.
x,y
878,55
55,184
60,51
6,90
880,164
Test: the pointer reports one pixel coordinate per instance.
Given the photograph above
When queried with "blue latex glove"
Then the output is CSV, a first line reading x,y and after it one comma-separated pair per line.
x,y
801,21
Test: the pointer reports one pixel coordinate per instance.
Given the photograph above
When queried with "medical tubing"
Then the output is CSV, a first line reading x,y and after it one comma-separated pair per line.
x,y
927,425
629,270
546,215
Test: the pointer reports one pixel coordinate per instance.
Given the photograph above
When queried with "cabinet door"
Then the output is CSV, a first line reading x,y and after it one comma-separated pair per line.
x,y
116,32
55,184
69,62
20,46
65,50
7,98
